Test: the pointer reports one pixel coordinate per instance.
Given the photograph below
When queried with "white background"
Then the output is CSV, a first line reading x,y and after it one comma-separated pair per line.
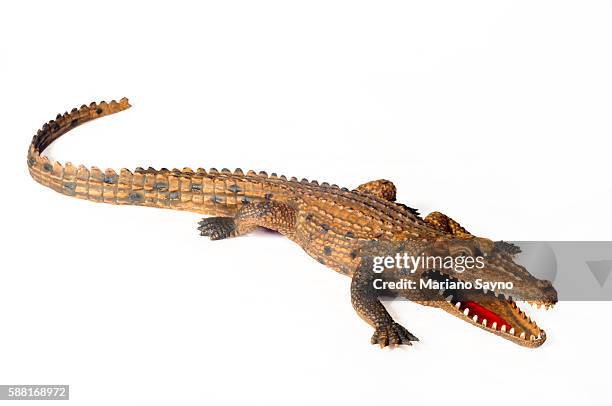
x,y
497,113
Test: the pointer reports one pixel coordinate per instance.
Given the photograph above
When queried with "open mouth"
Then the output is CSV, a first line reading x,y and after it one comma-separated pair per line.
x,y
492,311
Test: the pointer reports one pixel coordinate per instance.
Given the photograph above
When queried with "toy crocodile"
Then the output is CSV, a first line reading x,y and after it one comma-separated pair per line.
x,y
342,229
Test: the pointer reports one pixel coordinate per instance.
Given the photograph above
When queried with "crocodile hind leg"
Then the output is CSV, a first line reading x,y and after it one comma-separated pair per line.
x,y
384,189
446,224
380,188
218,228
367,305
276,216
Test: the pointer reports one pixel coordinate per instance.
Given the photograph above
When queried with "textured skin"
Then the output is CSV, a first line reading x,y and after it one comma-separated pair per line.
x,y
330,223
314,215
370,309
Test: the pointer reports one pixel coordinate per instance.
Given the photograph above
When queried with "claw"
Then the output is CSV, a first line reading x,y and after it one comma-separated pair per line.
x,y
392,335
217,228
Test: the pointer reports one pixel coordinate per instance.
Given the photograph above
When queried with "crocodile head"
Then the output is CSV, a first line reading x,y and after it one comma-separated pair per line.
x,y
491,306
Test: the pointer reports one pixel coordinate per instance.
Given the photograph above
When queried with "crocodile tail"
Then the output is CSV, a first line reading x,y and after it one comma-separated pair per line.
x,y
212,192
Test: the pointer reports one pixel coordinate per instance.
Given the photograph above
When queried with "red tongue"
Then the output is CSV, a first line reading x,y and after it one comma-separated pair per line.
x,y
484,313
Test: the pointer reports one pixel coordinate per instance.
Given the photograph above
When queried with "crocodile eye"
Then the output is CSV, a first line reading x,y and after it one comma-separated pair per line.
x,y
461,252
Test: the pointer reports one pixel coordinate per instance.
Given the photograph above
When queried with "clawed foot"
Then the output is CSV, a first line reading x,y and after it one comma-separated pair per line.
x,y
217,228
391,335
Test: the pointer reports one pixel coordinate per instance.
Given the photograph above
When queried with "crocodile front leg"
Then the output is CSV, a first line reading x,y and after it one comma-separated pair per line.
x,y
446,224
276,216
365,301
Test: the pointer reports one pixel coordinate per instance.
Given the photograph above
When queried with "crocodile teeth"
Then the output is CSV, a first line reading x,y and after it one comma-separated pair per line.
x,y
484,322
494,325
503,328
532,337
522,335
475,318
458,305
466,311
449,298
512,331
